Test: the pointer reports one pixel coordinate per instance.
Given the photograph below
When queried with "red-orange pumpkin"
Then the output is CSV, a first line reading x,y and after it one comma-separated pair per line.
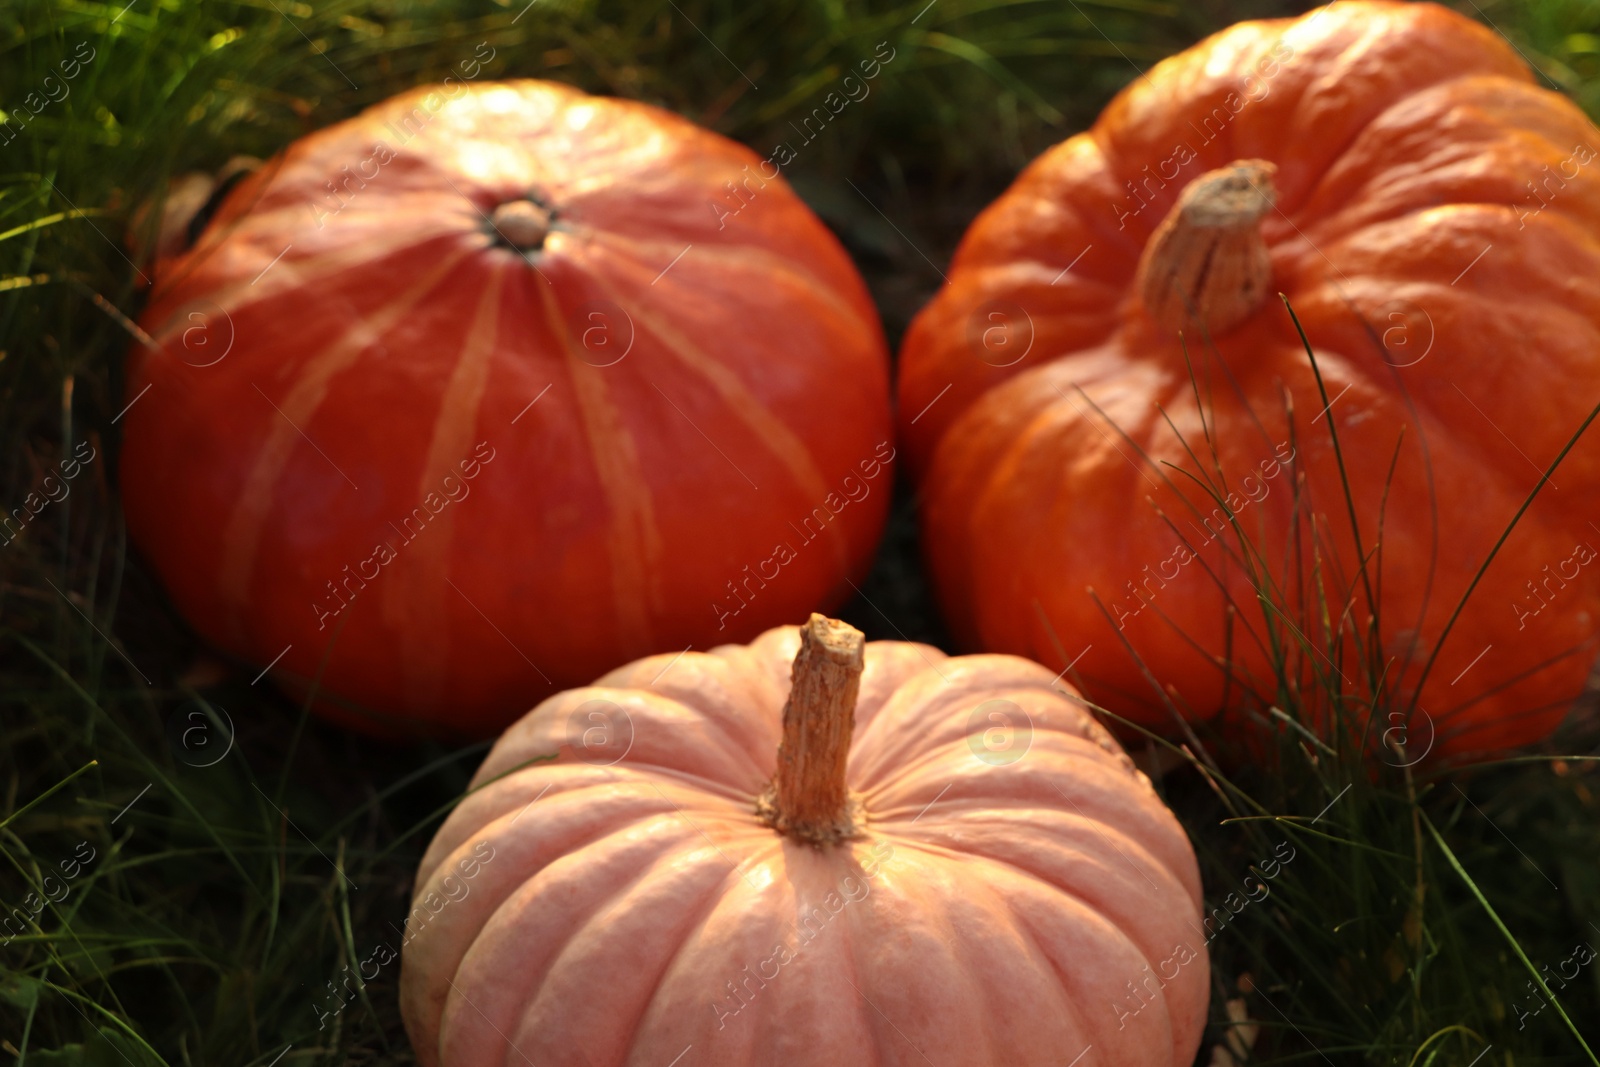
x,y
978,875
1436,227
494,386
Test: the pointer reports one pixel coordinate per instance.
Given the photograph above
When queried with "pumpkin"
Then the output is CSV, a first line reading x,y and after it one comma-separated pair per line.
x,y
494,386
809,851
1118,433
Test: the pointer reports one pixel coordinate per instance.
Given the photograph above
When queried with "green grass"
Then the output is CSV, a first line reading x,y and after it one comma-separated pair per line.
x,y
1437,905
222,897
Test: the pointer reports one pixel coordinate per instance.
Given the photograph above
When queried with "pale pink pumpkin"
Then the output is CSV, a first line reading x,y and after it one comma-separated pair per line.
x,y
1000,882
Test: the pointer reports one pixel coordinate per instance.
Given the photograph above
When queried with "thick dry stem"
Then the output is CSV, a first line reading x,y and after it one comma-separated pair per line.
x,y
808,799
1207,263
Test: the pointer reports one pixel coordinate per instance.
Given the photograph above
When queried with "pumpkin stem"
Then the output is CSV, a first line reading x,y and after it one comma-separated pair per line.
x,y
808,799
522,224
1207,263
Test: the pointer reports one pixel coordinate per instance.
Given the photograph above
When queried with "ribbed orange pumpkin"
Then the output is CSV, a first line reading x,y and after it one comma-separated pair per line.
x,y
489,389
1433,217
977,876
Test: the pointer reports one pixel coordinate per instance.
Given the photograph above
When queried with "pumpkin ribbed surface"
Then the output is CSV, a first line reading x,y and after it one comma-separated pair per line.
x,y
1010,898
1435,226
478,394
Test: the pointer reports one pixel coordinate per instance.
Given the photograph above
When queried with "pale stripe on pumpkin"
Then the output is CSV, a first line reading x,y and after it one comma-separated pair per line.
x,y
634,540
756,416
753,261
241,540
420,584
305,272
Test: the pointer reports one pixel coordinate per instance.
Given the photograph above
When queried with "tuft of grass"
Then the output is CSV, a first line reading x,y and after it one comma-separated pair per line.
x,y
1366,903
215,873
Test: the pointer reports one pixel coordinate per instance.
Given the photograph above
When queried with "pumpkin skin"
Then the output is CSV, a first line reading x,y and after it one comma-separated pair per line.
x,y
1436,215
351,345
996,910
